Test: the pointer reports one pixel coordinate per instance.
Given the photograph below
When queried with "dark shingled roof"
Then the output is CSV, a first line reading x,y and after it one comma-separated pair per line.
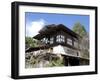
x,y
50,29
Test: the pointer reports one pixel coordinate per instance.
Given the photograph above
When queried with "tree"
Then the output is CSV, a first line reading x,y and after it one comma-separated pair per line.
x,y
85,46
30,42
84,40
79,29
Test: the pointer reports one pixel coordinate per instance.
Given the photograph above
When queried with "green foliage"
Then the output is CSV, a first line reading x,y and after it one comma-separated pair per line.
x,y
79,29
56,62
35,60
30,42
84,42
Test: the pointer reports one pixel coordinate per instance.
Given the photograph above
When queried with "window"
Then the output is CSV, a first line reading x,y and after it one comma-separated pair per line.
x,y
45,40
60,38
41,40
51,40
72,52
69,41
75,44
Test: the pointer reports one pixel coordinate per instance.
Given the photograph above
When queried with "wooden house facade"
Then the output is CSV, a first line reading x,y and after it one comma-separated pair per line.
x,y
62,41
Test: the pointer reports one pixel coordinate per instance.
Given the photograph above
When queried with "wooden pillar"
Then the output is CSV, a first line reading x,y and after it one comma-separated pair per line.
x,y
66,61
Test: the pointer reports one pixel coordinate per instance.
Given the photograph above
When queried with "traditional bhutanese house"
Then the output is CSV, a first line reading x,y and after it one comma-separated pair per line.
x,y
59,39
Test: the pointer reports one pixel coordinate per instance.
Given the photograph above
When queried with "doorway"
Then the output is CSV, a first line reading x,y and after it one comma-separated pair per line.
x,y
71,61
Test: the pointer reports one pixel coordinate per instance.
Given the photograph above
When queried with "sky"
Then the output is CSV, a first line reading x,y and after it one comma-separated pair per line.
x,y
35,21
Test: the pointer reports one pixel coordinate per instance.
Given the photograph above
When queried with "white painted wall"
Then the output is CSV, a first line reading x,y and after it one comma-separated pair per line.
x,y
58,49
5,40
64,51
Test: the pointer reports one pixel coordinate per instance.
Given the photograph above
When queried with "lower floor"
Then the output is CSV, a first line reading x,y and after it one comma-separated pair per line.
x,y
51,60
74,61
